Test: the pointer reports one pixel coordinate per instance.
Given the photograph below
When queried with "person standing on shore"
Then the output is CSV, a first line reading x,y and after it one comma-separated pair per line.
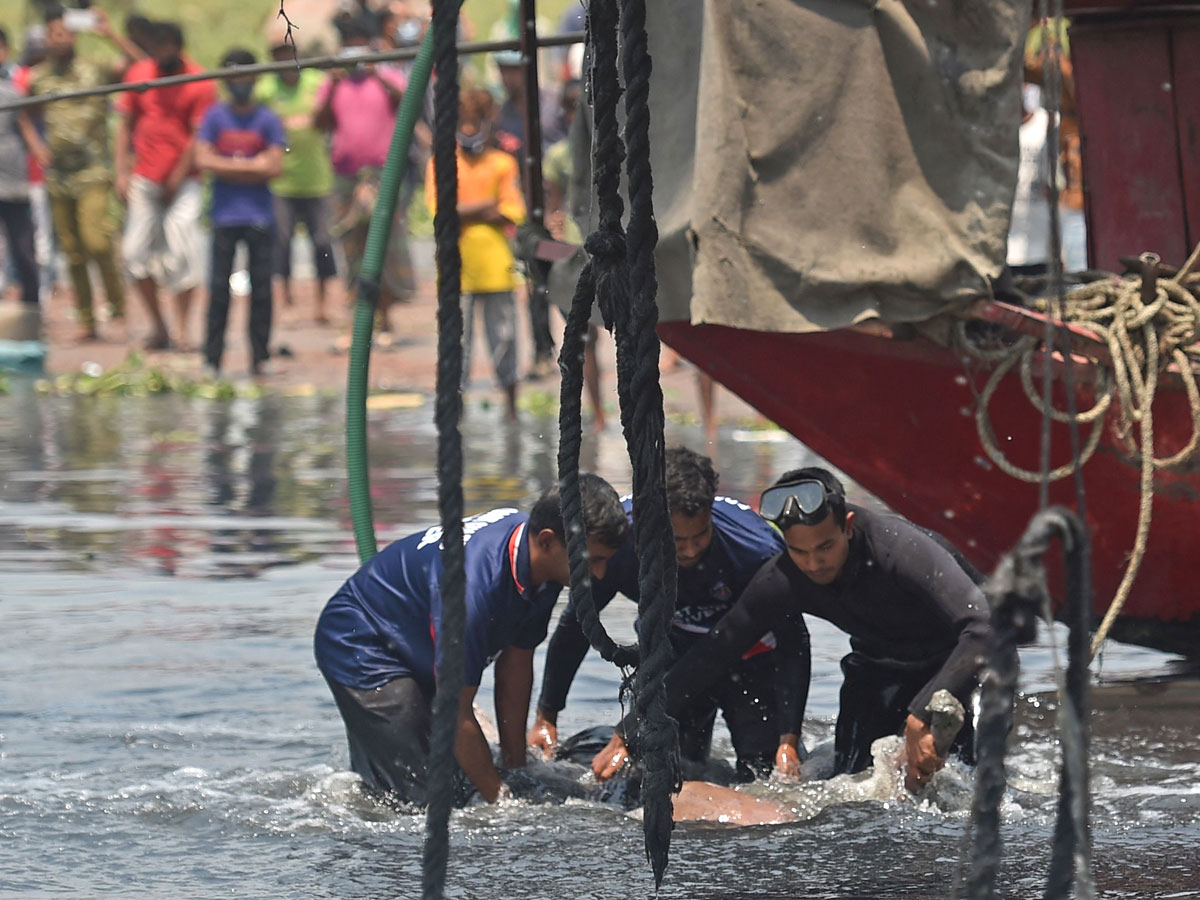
x,y
15,210
357,105
301,192
241,144
489,202
156,178
77,162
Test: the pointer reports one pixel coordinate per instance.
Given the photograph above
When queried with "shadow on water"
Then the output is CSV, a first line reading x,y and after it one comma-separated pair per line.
x,y
163,729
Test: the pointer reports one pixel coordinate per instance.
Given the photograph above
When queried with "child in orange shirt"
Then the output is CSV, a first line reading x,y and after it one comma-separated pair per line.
x,y
489,202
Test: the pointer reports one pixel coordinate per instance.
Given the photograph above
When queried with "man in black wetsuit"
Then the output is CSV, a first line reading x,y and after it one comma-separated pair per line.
x,y
916,618
719,545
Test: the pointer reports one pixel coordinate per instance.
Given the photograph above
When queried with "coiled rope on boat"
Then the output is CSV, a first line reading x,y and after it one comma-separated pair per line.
x,y
1146,323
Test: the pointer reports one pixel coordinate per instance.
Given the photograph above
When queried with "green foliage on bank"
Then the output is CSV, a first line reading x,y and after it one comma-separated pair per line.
x,y
134,378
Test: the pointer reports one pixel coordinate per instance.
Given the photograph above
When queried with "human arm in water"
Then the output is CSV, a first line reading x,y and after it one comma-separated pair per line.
x,y
932,570
793,673
514,683
565,653
569,646
472,751
567,649
761,608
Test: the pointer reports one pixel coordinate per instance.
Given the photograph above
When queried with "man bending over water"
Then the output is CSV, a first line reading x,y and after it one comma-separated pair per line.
x,y
916,618
376,640
719,545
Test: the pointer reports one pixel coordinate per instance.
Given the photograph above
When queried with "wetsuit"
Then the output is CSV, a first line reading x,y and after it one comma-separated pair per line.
x,y
916,618
746,695
376,640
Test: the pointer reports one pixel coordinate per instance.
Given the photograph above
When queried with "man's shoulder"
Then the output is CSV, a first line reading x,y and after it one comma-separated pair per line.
x,y
32,76
142,70
736,519
267,118
897,544
219,116
502,162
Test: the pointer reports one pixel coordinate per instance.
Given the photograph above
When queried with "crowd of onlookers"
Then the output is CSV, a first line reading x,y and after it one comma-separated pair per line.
x,y
240,163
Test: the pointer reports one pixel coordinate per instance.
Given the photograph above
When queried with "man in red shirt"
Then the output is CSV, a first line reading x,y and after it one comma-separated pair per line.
x,y
157,179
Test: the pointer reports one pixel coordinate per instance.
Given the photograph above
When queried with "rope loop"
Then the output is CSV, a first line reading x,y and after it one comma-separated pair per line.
x,y
1147,323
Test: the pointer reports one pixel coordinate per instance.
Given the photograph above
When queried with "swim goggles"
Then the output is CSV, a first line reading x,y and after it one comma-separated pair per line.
x,y
798,503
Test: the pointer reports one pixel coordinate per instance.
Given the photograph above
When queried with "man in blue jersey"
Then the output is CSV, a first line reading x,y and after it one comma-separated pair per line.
x,y
377,638
719,545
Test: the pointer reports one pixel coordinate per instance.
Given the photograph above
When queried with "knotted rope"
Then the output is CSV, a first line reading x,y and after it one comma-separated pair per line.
x,y
1146,323
450,669
1017,594
620,275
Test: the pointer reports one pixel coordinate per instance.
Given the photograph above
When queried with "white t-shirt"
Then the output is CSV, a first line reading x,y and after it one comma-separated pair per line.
x,y
1029,232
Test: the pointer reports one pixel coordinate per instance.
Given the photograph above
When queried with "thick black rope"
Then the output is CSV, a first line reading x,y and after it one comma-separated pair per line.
x,y
1071,856
637,344
620,276
1018,594
442,764
570,438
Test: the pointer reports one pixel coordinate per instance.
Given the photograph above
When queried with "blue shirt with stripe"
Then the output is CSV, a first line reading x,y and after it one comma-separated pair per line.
x,y
383,623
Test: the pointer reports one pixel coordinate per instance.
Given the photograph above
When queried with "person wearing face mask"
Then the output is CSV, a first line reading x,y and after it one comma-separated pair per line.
x,y
74,154
357,105
489,203
302,191
241,145
156,177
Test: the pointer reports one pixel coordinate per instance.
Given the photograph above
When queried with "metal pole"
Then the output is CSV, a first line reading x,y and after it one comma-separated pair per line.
x,y
315,62
532,164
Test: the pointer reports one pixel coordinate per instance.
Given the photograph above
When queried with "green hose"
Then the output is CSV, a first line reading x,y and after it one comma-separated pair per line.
x,y
367,295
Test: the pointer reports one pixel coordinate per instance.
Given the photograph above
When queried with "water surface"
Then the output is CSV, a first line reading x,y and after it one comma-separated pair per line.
x,y
164,730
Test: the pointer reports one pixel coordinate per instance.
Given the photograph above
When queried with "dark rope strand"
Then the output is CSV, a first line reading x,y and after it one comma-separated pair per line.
x,y
1070,861
1013,615
658,736
570,431
450,670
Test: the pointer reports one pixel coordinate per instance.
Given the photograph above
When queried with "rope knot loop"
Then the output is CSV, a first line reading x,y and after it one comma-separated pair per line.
x,y
605,247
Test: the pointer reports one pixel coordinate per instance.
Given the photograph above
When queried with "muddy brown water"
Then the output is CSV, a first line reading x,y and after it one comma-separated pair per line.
x,y
164,731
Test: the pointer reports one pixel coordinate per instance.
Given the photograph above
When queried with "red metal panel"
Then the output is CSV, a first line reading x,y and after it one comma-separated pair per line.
x,y
899,418
1185,56
1131,171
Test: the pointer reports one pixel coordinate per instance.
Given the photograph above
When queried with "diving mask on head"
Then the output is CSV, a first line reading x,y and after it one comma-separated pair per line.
x,y
803,502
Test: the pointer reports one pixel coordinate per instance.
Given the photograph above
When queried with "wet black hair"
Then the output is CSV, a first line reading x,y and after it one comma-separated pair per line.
x,y
602,512
238,57
691,482
167,33
835,493
140,30
52,13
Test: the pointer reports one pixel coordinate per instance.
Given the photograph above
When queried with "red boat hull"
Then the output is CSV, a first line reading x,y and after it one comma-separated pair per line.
x,y
898,416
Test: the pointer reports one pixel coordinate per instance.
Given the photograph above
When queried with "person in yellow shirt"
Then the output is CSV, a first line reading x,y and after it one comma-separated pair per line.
x,y
489,204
